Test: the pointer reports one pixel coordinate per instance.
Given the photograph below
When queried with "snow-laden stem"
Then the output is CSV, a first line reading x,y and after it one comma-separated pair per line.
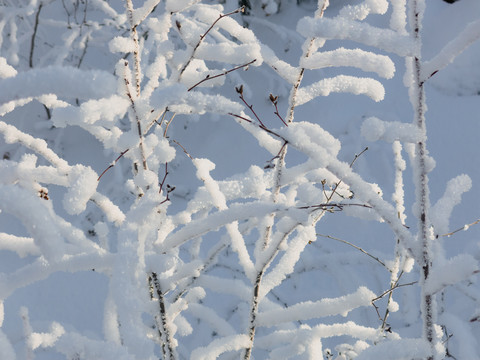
x,y
164,331
400,253
322,5
194,51
253,315
136,49
422,189
137,119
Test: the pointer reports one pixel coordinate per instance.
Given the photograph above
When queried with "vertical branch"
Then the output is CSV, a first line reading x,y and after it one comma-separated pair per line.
x,y
164,331
34,35
136,51
417,94
135,114
32,47
398,198
322,5
253,315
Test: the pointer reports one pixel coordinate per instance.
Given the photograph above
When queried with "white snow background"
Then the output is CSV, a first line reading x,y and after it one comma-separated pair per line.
x,y
74,268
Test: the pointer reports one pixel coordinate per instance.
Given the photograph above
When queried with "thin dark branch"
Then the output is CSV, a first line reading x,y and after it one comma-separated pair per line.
x,y
155,120
167,125
112,164
169,189
277,113
249,106
463,228
357,156
390,296
393,288
84,52
270,162
184,150
221,16
34,35
328,205
241,9
261,126
389,291
334,191
164,177
32,48
356,247
208,77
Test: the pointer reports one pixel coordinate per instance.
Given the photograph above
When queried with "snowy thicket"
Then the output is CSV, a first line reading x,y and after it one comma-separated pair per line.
x,y
109,211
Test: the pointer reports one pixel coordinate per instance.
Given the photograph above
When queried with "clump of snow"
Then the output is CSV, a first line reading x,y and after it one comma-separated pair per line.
x,y
374,129
37,340
121,44
393,306
364,33
365,60
58,80
6,70
442,210
306,135
270,7
342,84
220,346
83,185
397,349
173,6
229,53
453,271
325,307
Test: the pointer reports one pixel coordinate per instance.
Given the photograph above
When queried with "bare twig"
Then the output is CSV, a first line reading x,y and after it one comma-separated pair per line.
x,y
239,90
32,48
208,77
34,35
274,100
270,162
221,16
239,10
156,116
388,292
184,150
169,188
261,126
329,205
164,177
463,228
167,125
355,158
112,164
356,247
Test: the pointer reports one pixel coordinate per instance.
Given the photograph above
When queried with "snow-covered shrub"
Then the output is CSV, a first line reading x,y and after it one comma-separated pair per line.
x,y
204,268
